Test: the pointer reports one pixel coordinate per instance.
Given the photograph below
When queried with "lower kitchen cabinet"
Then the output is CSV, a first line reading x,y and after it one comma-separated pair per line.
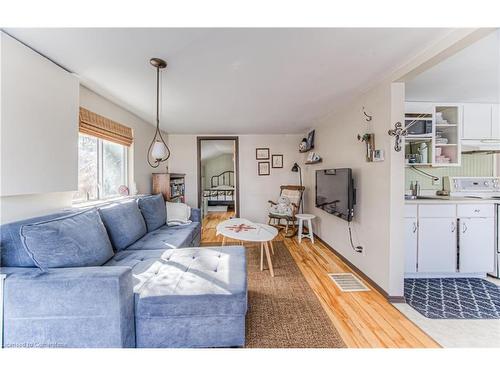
x,y
476,244
450,239
437,245
411,241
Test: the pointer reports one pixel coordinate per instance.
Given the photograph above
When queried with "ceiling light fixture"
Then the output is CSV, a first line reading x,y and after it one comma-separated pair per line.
x,y
158,150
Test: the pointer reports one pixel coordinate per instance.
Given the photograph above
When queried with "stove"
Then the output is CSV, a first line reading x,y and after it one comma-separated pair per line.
x,y
472,187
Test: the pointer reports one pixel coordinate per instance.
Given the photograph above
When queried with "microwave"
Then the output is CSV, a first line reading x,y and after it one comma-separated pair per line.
x,y
419,127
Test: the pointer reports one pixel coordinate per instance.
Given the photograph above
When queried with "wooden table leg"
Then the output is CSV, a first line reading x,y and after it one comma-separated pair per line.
x,y
262,256
272,247
269,261
223,240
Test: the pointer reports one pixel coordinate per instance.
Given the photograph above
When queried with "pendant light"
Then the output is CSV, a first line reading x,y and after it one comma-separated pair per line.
x,y
158,151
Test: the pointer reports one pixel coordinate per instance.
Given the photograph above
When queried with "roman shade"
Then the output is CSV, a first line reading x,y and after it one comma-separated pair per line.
x,y
99,126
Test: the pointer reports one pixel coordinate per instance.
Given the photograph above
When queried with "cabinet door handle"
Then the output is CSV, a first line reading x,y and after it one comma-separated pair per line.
x,y
464,228
453,227
415,227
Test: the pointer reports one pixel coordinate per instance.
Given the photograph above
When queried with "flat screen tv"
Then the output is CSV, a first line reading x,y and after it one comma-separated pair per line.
x,y
335,192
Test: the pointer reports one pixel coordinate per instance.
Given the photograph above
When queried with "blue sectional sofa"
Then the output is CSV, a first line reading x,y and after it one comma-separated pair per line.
x,y
117,276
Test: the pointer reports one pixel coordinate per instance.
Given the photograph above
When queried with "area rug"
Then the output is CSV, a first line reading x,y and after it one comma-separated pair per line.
x,y
283,310
454,298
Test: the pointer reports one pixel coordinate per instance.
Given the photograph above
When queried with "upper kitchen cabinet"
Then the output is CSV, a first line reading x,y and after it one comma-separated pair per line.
x,y
39,102
477,121
434,134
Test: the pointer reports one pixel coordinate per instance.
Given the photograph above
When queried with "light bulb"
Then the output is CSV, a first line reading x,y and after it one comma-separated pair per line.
x,y
159,151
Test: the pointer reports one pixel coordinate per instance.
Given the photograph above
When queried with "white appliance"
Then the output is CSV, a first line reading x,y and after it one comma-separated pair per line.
x,y
478,188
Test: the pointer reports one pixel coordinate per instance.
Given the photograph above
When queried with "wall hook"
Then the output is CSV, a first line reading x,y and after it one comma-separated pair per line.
x,y
368,117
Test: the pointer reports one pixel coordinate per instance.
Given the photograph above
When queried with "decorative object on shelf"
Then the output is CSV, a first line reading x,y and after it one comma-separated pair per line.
x,y
398,132
313,158
158,150
263,168
310,140
303,145
307,144
123,190
262,153
277,161
423,150
368,117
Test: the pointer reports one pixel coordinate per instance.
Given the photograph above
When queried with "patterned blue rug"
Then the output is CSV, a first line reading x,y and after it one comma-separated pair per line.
x,y
457,298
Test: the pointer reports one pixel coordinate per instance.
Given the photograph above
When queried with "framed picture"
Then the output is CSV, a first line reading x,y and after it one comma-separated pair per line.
x,y
277,161
310,140
262,153
264,169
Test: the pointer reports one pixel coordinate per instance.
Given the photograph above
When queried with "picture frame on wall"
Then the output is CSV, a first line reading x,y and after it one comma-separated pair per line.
x,y
263,168
310,140
262,153
277,161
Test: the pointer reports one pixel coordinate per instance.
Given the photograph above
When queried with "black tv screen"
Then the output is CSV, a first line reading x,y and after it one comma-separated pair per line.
x,y
335,192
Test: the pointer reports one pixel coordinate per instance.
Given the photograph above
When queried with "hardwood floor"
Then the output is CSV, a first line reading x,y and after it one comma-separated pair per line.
x,y
363,319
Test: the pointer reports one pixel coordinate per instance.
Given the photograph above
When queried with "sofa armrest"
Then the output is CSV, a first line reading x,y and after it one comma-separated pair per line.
x,y
69,307
195,215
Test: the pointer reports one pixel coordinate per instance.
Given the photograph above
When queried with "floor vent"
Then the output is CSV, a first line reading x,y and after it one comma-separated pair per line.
x,y
347,282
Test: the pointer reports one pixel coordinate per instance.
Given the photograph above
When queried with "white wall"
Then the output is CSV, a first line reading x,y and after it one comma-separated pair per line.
x,y
336,142
255,190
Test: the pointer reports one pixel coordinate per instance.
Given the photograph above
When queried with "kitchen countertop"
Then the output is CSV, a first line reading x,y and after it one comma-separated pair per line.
x,y
444,200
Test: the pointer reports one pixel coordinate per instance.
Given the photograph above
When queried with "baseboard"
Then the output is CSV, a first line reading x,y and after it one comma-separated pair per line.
x,y
373,284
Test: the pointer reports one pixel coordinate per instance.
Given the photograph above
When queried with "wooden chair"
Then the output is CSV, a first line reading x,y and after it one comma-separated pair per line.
x,y
294,193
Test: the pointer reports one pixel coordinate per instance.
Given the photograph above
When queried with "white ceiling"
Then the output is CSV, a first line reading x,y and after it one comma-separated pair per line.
x,y
213,148
471,75
231,80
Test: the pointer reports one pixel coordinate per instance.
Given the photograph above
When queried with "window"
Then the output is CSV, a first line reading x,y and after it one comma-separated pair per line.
x,y
102,168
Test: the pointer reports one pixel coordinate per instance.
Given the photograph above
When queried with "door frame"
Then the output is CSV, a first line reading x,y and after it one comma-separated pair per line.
x,y
236,166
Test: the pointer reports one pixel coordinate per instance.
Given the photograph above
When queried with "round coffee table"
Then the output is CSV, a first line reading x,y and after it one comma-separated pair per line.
x,y
245,230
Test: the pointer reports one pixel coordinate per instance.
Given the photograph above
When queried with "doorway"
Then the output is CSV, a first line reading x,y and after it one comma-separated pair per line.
x,y
218,176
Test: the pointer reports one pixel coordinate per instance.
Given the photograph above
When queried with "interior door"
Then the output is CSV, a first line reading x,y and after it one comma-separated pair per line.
x,y
437,245
477,244
411,234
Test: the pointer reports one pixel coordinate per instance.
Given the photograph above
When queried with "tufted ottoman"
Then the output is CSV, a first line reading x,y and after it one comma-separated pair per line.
x,y
191,297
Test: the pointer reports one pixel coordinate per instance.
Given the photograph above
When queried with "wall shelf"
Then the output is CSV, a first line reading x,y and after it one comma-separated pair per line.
x,y
314,162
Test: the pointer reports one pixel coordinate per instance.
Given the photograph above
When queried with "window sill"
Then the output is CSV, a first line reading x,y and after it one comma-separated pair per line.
x,y
103,202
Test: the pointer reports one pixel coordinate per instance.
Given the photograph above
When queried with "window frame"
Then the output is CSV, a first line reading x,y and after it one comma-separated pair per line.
x,y
100,170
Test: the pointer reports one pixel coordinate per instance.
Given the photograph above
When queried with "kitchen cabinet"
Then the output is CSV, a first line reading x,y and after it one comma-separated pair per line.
x,y
437,244
477,244
477,122
449,238
411,235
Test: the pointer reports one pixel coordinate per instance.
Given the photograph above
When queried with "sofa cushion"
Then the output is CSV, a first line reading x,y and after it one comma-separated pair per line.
x,y
168,237
76,240
153,210
199,281
124,223
11,247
